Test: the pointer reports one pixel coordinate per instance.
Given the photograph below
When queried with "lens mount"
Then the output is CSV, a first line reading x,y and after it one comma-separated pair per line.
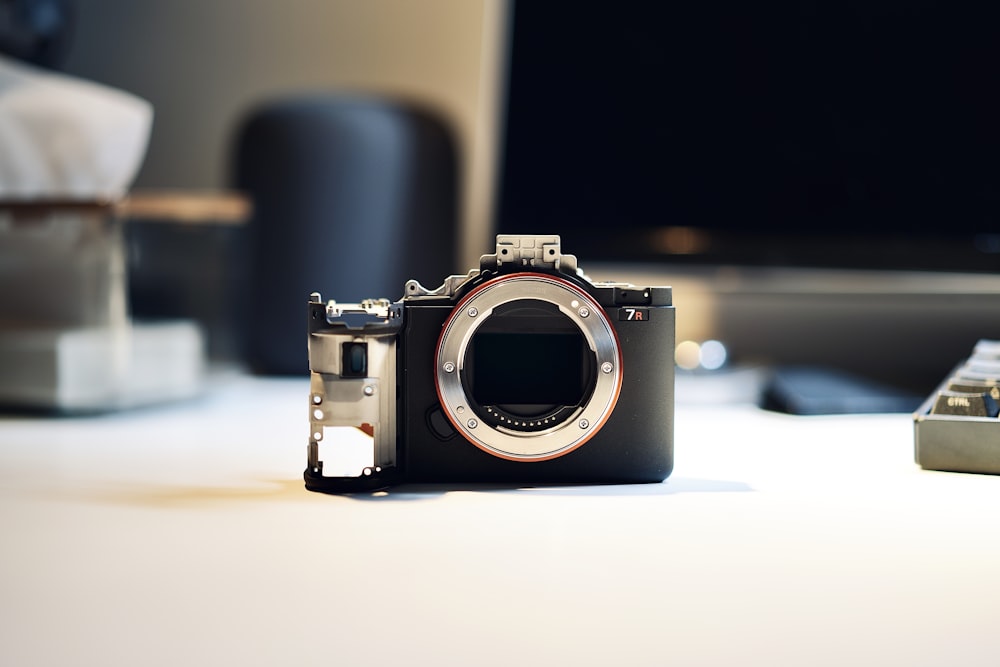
x,y
576,424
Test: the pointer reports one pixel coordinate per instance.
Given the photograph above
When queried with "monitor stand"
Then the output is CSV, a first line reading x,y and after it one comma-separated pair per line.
x,y
902,328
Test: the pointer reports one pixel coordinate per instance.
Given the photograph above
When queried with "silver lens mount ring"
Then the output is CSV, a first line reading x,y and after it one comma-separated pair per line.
x,y
473,311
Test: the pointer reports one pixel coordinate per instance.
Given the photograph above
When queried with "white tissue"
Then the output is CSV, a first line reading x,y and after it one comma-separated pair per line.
x,y
65,138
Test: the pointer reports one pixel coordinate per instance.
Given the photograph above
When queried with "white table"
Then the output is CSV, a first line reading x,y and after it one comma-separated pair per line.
x,y
183,535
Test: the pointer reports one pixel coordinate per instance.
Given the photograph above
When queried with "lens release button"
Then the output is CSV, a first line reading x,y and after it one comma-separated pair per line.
x,y
439,424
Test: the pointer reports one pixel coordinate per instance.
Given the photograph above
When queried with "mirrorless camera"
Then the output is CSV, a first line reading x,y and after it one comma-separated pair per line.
x,y
522,371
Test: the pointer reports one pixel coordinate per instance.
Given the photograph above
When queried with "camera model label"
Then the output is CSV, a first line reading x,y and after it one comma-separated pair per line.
x,y
633,314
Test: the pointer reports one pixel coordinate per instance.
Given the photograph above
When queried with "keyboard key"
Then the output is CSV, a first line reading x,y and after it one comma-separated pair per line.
x,y
983,366
987,349
975,387
965,404
967,372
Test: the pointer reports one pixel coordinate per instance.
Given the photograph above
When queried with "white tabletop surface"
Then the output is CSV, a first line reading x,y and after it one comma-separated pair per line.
x,y
183,535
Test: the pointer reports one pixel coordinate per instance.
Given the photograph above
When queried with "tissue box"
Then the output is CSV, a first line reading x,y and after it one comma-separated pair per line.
x,y
66,340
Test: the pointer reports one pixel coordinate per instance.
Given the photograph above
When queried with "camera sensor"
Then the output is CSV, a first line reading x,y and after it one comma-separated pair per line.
x,y
528,367
528,373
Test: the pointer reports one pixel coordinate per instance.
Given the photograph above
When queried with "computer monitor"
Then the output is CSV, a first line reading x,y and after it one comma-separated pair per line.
x,y
829,133
829,168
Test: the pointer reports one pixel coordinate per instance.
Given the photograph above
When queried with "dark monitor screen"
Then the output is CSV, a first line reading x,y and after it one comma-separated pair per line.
x,y
831,133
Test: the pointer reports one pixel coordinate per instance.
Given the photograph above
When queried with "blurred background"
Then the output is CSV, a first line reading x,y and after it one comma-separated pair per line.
x,y
204,66
207,68
816,179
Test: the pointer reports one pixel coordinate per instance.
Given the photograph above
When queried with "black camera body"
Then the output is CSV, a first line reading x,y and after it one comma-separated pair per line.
x,y
521,372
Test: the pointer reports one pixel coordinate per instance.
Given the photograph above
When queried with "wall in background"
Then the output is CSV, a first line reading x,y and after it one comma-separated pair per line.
x,y
204,64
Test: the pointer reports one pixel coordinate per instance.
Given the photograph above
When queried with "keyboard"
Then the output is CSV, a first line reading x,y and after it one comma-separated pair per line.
x,y
957,428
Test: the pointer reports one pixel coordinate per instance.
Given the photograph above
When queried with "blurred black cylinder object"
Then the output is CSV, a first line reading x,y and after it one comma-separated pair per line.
x,y
352,196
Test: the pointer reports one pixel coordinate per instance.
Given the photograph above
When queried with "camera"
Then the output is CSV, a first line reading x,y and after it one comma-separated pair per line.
x,y
523,371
